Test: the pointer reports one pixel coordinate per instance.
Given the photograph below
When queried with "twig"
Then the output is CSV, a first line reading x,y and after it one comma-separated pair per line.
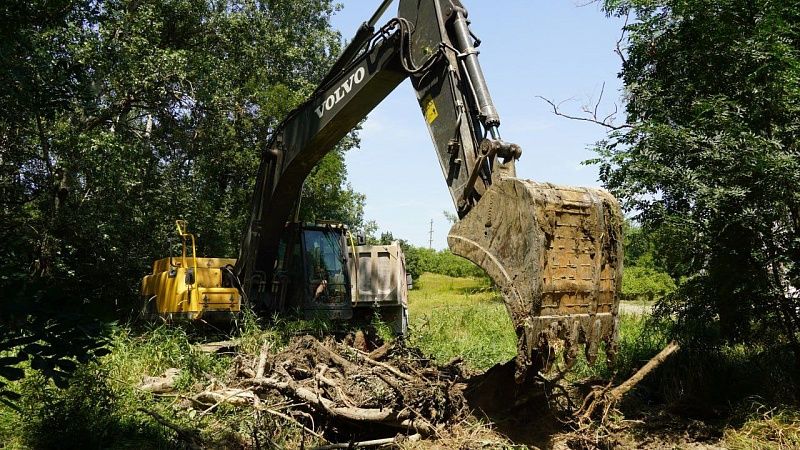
x,y
292,419
593,119
618,48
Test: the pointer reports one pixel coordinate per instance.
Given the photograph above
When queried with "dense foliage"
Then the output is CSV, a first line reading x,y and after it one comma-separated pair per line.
x,y
117,117
643,276
710,159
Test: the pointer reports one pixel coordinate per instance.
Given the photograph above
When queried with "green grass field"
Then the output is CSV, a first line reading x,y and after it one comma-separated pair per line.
x,y
464,317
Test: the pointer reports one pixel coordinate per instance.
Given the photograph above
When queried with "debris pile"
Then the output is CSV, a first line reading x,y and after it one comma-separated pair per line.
x,y
335,386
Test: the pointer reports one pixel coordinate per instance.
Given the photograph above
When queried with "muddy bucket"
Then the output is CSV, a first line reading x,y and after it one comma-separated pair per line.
x,y
555,253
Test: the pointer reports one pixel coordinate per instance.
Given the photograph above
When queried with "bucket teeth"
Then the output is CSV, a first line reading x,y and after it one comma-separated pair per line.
x,y
555,253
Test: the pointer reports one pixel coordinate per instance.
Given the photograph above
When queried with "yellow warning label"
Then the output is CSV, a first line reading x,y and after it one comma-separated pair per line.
x,y
429,108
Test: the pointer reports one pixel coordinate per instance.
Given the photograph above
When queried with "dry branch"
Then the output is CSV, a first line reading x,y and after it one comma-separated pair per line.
x,y
262,359
605,398
236,397
385,416
391,369
380,352
336,358
591,114
372,443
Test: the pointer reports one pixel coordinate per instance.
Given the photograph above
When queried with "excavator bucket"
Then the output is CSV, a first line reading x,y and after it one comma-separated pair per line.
x,y
555,252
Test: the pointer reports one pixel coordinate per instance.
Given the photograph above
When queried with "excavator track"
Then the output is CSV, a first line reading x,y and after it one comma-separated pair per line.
x,y
555,253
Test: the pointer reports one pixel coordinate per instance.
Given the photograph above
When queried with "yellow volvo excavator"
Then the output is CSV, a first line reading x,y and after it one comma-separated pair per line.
x,y
554,252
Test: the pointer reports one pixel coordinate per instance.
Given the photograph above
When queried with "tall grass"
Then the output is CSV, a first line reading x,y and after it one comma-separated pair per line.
x,y
101,408
464,317
766,429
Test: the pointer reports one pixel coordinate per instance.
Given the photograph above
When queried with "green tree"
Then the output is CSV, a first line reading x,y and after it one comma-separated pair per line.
x,y
710,160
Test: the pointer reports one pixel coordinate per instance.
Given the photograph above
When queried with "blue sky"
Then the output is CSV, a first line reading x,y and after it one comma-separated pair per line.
x,y
554,48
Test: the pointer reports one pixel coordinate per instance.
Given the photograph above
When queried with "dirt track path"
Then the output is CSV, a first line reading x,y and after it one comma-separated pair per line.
x,y
635,308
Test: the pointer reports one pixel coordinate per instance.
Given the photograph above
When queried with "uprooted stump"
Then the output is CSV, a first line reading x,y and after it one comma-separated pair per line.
x,y
396,388
345,384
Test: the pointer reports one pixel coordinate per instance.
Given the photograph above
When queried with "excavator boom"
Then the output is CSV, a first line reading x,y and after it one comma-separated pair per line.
x,y
555,252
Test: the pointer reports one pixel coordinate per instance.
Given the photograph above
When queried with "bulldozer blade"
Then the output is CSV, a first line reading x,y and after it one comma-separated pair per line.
x,y
555,253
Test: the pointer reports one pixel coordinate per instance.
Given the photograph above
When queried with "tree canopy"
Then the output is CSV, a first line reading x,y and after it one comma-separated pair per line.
x,y
709,159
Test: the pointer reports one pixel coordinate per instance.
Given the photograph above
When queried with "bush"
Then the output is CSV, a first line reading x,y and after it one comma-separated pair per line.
x,y
443,262
645,282
90,413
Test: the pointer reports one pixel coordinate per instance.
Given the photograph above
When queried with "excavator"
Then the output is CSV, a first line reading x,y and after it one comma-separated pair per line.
x,y
553,252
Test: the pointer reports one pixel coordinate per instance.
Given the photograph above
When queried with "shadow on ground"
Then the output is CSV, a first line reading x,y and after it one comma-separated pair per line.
x,y
523,413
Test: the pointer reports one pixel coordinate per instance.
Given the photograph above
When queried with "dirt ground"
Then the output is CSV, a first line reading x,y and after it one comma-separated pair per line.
x,y
539,418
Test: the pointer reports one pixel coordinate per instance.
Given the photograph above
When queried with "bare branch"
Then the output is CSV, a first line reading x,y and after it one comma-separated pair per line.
x,y
592,115
599,99
618,47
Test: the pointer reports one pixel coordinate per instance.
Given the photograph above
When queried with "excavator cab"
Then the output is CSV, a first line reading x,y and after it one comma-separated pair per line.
x,y
321,273
324,272
311,273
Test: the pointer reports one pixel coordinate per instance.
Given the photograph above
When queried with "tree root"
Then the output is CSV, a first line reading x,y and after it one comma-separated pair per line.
x,y
343,385
599,403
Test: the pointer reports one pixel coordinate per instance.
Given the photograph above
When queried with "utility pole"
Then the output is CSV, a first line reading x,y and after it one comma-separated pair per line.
x,y
430,238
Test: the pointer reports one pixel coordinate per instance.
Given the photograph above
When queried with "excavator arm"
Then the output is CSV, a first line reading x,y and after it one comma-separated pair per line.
x,y
554,252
